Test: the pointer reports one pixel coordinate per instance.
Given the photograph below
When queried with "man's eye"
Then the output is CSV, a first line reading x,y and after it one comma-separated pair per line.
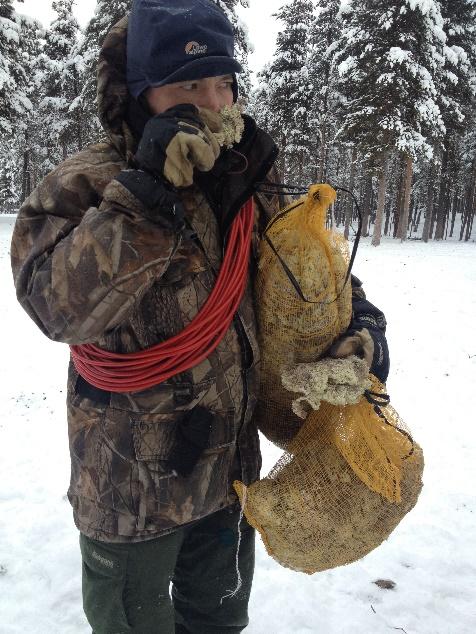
x,y
189,86
227,84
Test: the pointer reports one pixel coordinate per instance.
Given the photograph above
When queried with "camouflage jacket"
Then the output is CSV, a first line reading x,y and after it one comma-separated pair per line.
x,y
92,264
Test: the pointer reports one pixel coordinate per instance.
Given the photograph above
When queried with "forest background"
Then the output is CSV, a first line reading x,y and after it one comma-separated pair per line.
x,y
377,96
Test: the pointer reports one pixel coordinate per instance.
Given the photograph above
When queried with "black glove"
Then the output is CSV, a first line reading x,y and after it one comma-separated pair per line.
x,y
156,195
175,142
192,437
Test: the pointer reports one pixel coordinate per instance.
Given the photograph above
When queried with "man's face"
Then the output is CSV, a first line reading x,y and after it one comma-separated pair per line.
x,y
212,93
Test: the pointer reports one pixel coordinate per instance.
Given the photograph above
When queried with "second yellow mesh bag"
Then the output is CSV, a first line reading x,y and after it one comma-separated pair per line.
x,y
345,482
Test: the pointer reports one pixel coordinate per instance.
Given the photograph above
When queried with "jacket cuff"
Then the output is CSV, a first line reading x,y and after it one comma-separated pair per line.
x,y
157,203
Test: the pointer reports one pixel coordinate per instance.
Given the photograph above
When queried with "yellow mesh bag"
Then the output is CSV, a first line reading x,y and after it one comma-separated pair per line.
x,y
291,330
345,482
351,472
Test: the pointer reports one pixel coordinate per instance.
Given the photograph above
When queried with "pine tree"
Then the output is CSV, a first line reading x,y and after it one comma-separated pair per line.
x,y
242,44
289,90
388,60
259,101
19,36
321,40
13,79
26,139
457,97
60,107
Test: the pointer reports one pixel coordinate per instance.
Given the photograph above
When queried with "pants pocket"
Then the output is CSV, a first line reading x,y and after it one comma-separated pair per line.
x,y
104,579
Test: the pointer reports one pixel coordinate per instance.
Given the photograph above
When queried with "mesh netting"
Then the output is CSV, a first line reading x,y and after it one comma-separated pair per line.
x,y
351,470
291,330
344,484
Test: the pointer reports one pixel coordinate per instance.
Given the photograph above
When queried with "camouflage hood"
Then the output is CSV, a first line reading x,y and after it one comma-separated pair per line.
x,y
120,114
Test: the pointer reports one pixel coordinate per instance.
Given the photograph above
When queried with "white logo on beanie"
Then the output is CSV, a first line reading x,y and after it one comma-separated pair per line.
x,y
194,48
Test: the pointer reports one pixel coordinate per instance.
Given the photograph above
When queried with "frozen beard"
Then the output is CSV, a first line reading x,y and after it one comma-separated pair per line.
x,y
233,126
227,125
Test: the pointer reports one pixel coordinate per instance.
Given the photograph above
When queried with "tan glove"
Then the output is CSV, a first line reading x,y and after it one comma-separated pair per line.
x,y
177,141
336,381
360,344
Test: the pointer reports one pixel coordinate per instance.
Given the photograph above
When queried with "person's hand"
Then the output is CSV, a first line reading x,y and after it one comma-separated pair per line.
x,y
359,343
177,141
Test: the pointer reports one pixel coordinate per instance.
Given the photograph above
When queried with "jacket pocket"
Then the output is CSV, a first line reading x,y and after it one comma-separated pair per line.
x,y
168,499
155,435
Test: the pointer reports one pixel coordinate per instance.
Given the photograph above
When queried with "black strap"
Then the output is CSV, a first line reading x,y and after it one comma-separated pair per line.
x,y
382,400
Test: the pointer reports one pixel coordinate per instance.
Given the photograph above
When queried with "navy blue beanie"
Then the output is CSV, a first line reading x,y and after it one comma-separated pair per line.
x,y
178,40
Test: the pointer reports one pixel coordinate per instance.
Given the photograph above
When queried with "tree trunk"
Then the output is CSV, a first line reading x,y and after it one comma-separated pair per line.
x,y
469,226
26,179
322,154
416,223
467,207
469,229
402,230
399,200
442,208
388,217
366,205
455,209
350,200
429,205
382,189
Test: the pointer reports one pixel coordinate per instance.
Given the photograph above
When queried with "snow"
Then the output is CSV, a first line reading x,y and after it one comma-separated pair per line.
x,y
428,292
346,66
345,7
397,55
425,6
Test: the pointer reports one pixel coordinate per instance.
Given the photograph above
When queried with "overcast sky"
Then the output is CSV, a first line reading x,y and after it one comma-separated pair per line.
x,y
261,25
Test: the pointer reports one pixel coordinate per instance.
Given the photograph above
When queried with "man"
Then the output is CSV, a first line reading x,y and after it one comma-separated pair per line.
x,y
120,247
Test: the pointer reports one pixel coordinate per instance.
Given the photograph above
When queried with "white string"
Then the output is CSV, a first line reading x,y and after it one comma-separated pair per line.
x,y
232,593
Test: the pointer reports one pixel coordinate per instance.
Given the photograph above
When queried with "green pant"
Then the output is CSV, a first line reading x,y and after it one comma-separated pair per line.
x,y
126,587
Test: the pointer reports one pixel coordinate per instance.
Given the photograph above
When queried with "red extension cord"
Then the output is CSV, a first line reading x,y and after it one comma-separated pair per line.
x,y
137,371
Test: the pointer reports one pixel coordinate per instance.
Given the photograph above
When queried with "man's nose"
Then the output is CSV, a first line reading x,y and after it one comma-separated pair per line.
x,y
210,100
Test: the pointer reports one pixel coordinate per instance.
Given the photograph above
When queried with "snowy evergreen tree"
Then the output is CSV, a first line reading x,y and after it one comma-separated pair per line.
x,y
458,87
457,99
19,43
60,107
242,44
322,116
13,80
289,89
25,139
389,60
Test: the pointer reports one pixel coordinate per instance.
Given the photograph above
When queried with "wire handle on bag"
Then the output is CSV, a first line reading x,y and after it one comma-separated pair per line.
x,y
265,187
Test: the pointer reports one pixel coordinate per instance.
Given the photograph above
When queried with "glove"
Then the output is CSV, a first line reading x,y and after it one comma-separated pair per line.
x,y
336,381
177,141
358,343
161,203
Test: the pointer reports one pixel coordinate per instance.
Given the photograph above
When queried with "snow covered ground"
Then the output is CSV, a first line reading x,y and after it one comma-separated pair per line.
x,y
428,293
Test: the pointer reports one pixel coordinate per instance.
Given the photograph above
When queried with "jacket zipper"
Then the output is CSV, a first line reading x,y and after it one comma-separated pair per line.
x,y
238,323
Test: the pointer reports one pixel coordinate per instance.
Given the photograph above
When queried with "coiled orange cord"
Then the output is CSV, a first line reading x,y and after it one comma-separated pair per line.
x,y
137,371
